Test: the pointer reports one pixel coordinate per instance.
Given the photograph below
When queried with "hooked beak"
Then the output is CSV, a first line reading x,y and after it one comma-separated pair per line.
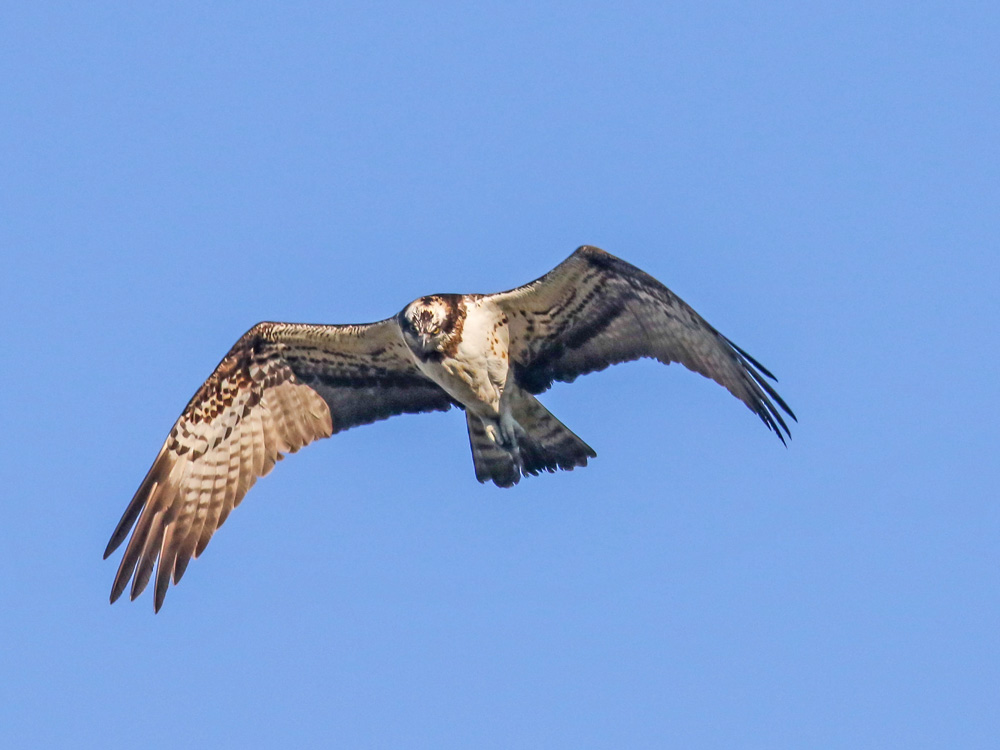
x,y
425,339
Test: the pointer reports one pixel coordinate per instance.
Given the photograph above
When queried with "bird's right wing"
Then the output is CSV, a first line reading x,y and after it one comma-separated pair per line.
x,y
280,387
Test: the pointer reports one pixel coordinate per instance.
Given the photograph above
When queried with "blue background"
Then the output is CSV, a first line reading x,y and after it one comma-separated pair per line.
x,y
820,181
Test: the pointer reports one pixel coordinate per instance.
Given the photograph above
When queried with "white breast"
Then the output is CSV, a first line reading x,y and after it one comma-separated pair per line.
x,y
476,372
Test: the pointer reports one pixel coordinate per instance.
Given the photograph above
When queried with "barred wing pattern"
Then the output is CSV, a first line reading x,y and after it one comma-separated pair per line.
x,y
279,388
594,310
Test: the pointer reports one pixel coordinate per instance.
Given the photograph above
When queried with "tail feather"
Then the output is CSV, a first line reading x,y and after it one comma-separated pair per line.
x,y
545,443
541,443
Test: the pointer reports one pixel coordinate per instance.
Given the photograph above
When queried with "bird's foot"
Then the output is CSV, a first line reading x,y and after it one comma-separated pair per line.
x,y
508,431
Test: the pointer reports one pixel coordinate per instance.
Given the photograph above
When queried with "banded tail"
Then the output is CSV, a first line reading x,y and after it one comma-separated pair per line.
x,y
540,443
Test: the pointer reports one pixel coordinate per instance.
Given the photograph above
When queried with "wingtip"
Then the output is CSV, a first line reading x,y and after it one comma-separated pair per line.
x,y
119,585
113,544
117,537
118,590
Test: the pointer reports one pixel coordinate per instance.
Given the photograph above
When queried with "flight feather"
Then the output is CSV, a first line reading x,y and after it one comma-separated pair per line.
x,y
594,310
279,388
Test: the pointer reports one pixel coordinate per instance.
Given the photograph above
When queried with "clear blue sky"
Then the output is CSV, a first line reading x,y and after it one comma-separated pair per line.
x,y
819,181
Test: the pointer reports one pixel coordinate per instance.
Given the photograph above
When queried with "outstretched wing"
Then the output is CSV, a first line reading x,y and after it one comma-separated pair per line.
x,y
279,388
594,310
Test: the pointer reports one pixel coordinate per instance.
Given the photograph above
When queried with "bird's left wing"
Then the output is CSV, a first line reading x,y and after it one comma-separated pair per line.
x,y
280,387
594,310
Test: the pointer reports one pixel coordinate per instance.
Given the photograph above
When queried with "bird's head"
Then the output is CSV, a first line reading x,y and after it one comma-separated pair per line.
x,y
429,324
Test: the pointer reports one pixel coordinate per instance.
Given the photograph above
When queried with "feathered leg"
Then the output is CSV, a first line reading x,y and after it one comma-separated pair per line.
x,y
492,461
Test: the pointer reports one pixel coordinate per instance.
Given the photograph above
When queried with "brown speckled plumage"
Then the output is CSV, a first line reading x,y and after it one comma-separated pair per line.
x,y
283,385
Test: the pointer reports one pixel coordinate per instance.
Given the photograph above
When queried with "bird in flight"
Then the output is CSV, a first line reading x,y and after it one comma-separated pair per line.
x,y
283,385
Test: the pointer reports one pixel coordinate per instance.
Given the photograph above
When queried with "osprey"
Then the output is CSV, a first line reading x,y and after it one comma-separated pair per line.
x,y
283,385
